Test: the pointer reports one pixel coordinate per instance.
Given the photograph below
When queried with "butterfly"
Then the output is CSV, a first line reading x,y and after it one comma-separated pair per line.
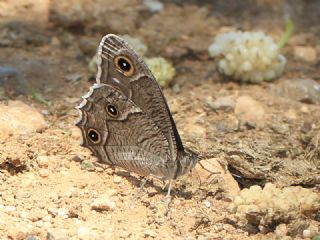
x,y
125,120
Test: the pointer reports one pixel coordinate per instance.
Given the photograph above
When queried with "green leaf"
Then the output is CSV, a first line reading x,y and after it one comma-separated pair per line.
x,y
287,34
38,97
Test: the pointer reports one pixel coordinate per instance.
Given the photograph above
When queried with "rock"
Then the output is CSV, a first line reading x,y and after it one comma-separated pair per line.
x,y
43,161
153,5
23,215
117,179
87,165
250,111
57,234
103,204
62,212
307,54
306,233
47,218
10,208
303,90
53,212
32,238
209,166
74,77
222,103
150,233
207,203
44,173
281,230
18,118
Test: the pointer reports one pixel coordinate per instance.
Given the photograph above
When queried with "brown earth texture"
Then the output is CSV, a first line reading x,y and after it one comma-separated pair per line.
x,y
256,136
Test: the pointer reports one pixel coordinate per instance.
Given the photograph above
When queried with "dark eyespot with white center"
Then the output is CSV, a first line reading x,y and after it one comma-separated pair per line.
x,y
93,135
124,64
112,110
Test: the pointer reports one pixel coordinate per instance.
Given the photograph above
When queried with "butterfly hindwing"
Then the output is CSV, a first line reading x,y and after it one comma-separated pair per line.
x,y
119,133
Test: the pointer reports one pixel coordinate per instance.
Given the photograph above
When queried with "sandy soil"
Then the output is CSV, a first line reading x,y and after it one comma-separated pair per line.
x,y
51,187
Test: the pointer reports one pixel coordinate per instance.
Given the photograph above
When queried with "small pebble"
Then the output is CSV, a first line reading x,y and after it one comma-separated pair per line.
x,y
45,112
153,5
57,234
281,230
87,165
43,161
150,233
74,77
31,238
306,233
53,211
207,204
23,215
44,173
103,204
62,212
117,179
47,218
78,158
39,223
10,208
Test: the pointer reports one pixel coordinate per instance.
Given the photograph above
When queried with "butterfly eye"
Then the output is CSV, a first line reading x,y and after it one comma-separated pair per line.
x,y
93,135
112,110
124,64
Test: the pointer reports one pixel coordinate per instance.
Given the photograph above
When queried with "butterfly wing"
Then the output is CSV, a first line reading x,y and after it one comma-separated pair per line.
x,y
120,133
119,66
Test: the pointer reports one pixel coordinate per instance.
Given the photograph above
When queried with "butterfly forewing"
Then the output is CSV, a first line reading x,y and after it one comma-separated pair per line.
x,y
141,87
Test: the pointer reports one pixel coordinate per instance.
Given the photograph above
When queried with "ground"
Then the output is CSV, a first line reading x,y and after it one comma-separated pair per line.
x,y
265,133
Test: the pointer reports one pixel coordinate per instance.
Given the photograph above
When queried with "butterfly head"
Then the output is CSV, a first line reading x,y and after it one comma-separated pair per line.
x,y
186,162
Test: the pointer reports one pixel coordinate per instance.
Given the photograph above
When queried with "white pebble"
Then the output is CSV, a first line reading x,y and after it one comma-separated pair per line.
x,y
23,215
207,204
10,208
306,233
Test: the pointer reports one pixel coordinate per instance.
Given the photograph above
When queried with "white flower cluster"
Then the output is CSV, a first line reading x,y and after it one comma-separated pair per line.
x,y
247,56
162,70
271,198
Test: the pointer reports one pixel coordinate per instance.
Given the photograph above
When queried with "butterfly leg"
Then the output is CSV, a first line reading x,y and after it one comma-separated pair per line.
x,y
168,196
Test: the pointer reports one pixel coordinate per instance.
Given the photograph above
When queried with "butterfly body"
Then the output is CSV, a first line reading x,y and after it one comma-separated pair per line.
x,y
125,120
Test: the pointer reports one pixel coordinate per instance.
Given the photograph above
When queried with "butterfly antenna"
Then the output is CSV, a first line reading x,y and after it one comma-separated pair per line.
x,y
211,172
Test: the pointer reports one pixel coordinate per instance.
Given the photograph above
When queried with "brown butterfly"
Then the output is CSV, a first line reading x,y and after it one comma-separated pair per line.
x,y
125,120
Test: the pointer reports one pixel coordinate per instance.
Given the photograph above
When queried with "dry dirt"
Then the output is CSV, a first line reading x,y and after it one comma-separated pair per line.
x,y
49,186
